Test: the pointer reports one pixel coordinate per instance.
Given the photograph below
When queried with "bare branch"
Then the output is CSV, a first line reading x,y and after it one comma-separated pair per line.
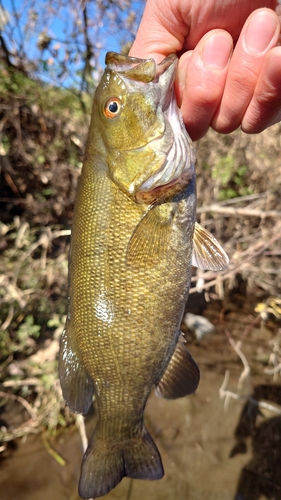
x,y
229,211
21,401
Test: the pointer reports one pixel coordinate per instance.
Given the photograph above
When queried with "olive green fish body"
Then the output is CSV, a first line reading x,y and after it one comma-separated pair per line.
x,y
126,319
133,241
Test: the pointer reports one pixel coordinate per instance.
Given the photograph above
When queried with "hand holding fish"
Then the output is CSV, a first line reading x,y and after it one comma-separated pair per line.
x,y
217,85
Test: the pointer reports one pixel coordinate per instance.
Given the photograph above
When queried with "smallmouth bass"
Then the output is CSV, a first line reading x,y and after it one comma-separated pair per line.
x,y
134,240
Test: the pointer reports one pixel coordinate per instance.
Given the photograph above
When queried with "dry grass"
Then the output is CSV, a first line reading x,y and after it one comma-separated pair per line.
x,y
249,223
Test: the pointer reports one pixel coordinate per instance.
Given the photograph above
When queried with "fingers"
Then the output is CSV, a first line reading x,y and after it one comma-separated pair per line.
x,y
200,80
213,85
265,107
168,26
258,36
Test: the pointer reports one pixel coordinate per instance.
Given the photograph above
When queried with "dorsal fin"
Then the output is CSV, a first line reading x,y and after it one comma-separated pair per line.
x,y
207,252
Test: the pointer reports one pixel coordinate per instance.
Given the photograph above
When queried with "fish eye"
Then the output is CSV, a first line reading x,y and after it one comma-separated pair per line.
x,y
112,107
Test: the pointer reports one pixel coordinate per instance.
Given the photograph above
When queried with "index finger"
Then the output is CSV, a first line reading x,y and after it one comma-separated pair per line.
x,y
169,26
158,36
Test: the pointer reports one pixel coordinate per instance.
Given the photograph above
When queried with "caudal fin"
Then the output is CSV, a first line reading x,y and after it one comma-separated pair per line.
x,y
106,463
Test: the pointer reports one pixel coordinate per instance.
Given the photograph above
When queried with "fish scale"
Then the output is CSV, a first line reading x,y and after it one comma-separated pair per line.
x,y
128,340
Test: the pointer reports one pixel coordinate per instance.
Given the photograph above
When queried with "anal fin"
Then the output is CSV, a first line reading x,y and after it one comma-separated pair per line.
x,y
182,374
77,386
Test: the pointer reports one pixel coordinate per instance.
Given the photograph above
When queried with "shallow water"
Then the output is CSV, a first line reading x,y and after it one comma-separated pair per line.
x,y
209,452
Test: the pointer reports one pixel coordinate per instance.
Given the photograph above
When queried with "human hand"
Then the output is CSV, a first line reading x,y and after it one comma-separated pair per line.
x,y
215,85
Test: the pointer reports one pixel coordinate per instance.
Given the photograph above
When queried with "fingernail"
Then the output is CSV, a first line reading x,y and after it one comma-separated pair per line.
x,y
260,31
217,50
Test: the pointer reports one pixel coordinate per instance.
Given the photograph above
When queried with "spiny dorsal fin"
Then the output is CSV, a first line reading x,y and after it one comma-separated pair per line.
x,y
207,252
149,241
182,374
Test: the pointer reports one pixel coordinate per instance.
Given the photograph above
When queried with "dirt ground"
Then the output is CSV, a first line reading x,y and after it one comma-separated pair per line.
x,y
210,450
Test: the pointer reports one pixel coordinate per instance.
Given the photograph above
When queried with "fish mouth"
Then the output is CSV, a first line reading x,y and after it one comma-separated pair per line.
x,y
170,143
180,157
146,71
179,160
142,70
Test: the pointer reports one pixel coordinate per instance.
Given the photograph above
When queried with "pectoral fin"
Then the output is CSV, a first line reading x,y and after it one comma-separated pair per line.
x,y
182,374
77,386
207,252
148,244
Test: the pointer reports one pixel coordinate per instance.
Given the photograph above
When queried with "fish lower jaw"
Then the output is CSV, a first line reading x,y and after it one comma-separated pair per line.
x,y
176,171
166,190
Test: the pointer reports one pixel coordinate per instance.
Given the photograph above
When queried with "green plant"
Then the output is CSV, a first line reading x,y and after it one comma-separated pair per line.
x,y
230,179
27,329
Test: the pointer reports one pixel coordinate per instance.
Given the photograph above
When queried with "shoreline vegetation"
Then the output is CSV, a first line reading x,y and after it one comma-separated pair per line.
x,y
43,131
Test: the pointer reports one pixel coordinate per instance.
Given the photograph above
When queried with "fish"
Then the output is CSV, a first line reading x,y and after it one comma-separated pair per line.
x,y
134,241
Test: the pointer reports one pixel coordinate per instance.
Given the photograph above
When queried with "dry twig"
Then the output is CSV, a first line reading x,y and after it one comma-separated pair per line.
x,y
22,401
228,395
248,212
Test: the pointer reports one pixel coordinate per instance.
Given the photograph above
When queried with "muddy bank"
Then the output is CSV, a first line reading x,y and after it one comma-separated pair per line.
x,y
210,450
194,436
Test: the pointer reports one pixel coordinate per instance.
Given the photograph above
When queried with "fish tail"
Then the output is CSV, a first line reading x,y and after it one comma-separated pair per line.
x,y
106,463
